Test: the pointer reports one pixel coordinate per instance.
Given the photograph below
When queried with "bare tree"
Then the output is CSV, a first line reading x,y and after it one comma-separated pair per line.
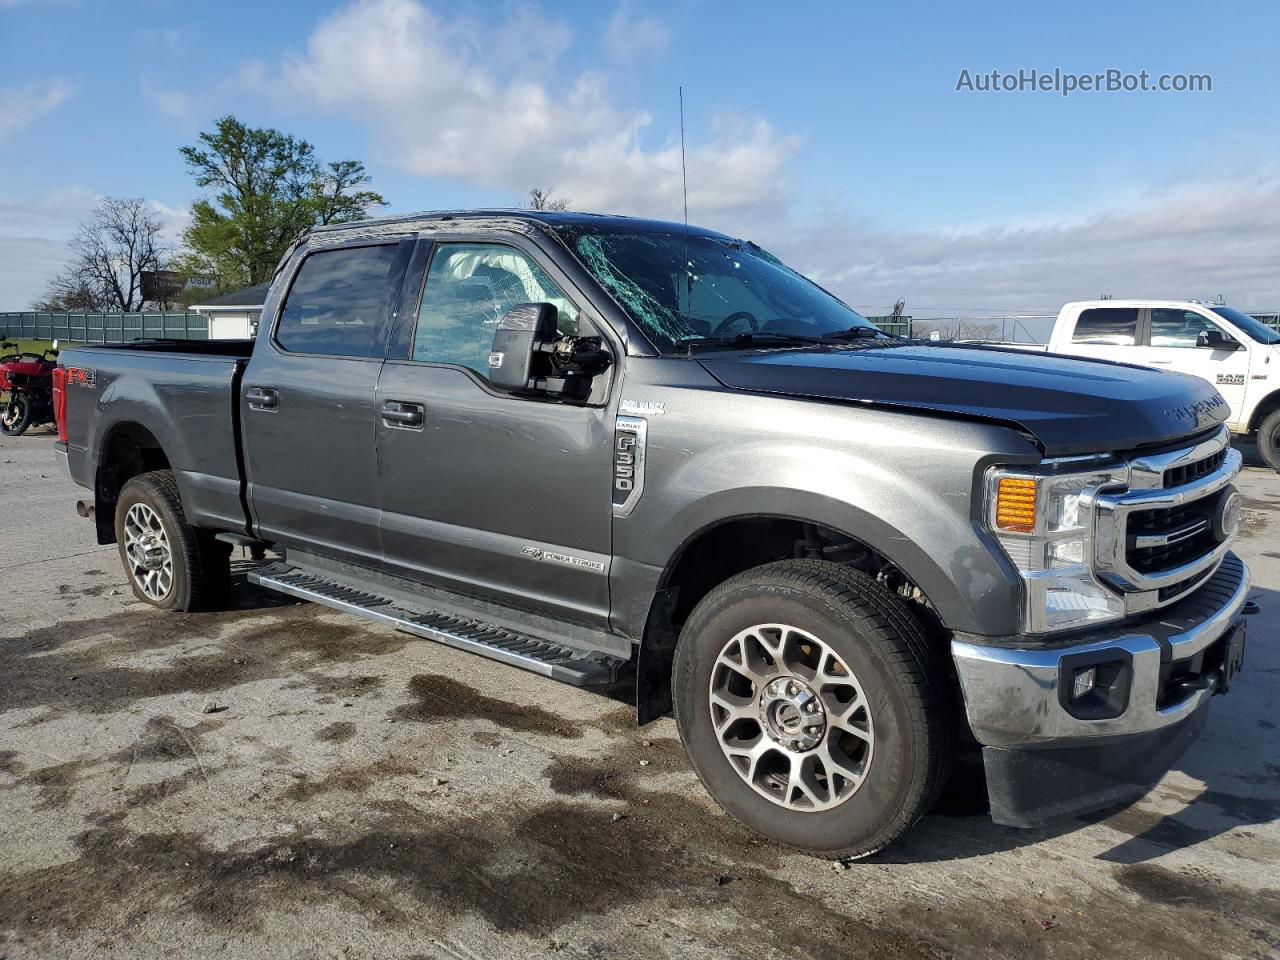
x,y
66,294
540,199
109,253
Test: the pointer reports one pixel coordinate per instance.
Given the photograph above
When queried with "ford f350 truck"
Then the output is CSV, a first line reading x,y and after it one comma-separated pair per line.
x,y
613,451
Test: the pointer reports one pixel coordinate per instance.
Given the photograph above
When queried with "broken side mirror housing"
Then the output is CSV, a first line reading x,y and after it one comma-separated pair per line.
x,y
518,344
529,357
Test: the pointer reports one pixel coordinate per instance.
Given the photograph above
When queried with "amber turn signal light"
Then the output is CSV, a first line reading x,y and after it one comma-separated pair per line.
x,y
1016,504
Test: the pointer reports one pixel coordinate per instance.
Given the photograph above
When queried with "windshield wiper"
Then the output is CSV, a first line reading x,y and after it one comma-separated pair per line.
x,y
759,338
853,333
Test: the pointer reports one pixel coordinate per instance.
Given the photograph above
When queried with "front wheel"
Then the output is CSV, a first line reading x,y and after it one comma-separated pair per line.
x,y
1269,439
813,708
16,416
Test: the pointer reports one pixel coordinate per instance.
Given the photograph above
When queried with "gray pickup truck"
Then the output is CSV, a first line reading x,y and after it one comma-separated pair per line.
x,y
616,451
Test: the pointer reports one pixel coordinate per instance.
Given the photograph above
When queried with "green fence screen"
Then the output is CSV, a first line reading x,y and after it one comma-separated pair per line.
x,y
103,327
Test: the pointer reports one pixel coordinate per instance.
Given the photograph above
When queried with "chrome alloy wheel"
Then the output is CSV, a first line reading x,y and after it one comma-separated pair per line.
x,y
147,547
791,717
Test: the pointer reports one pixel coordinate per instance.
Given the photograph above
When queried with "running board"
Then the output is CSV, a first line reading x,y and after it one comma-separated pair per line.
x,y
555,660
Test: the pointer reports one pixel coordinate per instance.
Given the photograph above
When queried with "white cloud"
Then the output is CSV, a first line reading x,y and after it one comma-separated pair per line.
x,y
443,104
22,104
33,240
171,101
628,35
1194,240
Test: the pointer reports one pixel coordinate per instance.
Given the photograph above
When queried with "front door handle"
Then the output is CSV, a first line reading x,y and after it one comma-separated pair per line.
x,y
262,398
400,413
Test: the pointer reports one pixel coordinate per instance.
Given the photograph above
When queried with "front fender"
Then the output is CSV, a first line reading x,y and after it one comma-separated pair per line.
x,y
907,486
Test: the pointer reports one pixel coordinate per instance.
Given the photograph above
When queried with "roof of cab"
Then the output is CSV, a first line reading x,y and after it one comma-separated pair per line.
x,y
463,219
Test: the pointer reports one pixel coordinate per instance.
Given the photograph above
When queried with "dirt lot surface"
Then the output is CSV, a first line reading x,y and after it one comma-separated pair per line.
x,y
285,781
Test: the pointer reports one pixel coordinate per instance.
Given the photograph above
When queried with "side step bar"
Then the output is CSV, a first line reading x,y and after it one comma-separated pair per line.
x,y
556,660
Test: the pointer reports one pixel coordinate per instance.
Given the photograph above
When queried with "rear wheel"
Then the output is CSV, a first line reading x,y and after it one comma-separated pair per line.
x,y
1269,439
16,415
171,565
812,707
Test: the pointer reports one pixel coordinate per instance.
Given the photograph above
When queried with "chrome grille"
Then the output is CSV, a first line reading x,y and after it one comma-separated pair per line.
x,y
1185,473
1155,541
1159,539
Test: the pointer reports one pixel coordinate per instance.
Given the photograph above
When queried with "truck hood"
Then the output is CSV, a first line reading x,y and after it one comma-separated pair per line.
x,y
1071,405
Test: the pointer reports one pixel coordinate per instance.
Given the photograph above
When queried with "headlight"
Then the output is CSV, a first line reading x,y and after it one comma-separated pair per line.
x,y
1043,518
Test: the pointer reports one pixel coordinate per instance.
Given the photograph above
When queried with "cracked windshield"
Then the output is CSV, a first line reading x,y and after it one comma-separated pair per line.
x,y
727,291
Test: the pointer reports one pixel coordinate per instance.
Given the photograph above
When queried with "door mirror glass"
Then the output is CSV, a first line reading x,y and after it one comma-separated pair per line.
x,y
520,356
1215,340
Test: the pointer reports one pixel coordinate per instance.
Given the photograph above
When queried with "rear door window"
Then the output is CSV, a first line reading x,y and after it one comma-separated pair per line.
x,y
338,302
1110,326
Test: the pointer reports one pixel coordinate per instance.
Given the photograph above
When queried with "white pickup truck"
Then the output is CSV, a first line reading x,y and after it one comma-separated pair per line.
x,y
1230,349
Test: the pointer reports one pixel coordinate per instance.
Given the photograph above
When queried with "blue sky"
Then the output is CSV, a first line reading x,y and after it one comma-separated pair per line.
x,y
832,133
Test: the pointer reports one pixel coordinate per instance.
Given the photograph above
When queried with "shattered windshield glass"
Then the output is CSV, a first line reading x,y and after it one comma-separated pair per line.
x,y
685,290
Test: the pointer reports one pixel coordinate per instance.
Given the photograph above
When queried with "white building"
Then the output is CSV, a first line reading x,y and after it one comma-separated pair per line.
x,y
234,316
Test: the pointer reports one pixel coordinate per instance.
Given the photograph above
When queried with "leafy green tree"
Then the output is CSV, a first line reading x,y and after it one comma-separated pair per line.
x,y
268,187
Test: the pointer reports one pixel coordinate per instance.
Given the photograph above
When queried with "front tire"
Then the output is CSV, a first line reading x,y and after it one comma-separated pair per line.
x,y
170,564
813,708
1269,439
16,415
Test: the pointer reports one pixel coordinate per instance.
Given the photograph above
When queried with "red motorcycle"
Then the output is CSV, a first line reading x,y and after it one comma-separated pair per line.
x,y
26,388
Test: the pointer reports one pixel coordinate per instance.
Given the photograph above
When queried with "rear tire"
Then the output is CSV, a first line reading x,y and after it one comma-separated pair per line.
x,y
170,564
16,415
864,675
1269,439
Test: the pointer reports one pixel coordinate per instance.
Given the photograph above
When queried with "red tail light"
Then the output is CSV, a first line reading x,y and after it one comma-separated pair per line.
x,y
60,401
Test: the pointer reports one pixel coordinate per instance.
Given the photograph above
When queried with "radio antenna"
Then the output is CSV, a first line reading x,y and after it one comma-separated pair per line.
x,y
684,170
684,187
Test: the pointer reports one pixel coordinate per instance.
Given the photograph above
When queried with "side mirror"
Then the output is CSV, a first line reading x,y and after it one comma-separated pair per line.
x,y
523,334
1215,340
530,357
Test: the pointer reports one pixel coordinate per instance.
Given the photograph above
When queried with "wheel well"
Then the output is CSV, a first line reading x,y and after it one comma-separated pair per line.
x,y
1264,409
129,449
715,554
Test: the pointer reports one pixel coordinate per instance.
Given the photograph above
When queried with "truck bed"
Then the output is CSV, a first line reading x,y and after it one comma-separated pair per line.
x,y
179,397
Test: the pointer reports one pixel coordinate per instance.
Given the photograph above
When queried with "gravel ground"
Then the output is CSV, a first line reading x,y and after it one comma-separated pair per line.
x,y
285,781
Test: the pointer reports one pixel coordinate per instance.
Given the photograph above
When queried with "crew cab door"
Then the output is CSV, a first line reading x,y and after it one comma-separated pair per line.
x,y
502,497
1170,344
307,400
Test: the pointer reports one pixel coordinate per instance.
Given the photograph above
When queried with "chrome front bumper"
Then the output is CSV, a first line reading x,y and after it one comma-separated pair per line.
x,y
1012,695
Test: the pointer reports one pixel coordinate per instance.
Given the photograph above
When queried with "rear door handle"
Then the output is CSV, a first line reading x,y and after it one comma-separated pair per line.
x,y
401,413
262,398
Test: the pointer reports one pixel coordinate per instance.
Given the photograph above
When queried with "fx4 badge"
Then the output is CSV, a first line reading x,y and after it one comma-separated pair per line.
x,y
81,376
629,436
